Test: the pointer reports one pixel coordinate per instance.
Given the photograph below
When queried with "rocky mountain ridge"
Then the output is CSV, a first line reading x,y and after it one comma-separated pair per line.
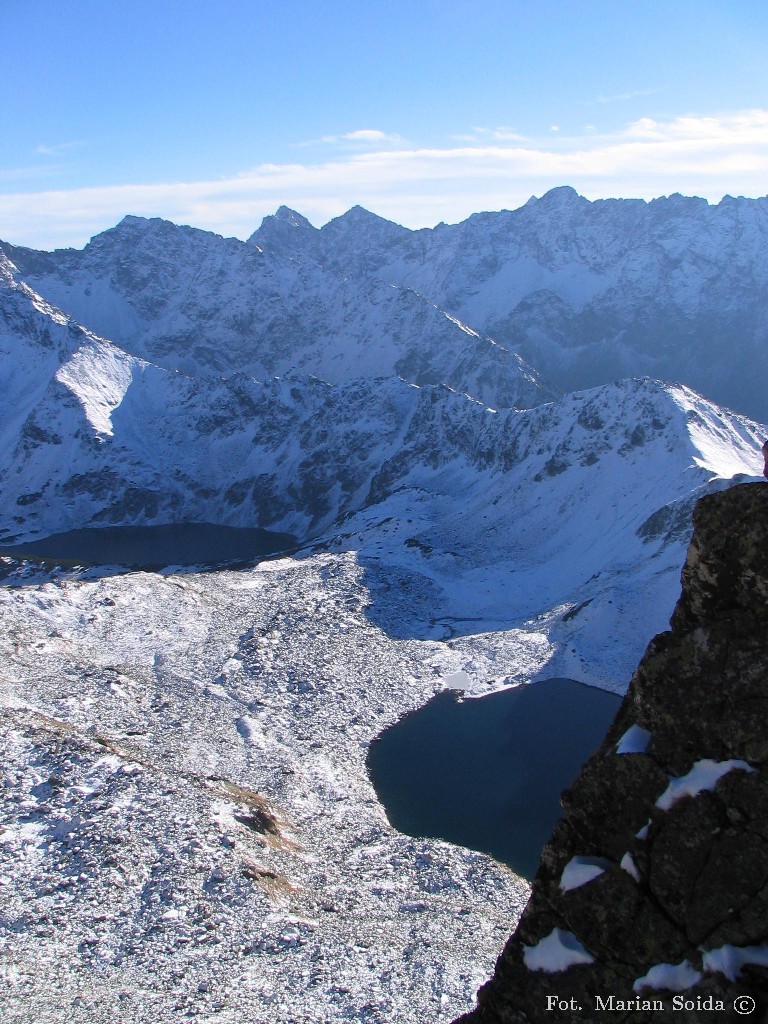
x,y
652,889
192,301
585,291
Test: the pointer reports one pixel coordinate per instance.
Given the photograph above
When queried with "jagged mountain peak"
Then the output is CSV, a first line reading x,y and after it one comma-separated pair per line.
x,y
285,213
358,219
360,215
729,201
274,230
283,217
561,195
133,228
284,231
678,200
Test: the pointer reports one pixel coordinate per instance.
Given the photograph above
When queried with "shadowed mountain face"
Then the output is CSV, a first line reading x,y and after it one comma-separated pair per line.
x,y
653,884
587,292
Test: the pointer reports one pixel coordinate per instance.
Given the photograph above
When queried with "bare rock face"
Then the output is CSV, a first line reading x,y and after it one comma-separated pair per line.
x,y
651,899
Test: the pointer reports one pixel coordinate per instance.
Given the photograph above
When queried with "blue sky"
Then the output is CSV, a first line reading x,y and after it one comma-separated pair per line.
x,y
215,114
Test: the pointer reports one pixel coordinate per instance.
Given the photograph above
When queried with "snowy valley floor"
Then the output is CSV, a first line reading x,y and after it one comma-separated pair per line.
x,y
188,829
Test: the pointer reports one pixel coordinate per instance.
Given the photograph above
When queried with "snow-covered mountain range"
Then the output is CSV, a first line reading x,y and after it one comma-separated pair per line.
x,y
503,515
585,291
192,301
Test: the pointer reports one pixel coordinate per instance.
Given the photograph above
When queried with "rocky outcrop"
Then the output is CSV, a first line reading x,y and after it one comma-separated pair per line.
x,y
651,899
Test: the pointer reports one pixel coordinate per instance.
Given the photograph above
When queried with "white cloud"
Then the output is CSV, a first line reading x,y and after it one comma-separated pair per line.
x,y
490,135
707,156
57,149
364,136
623,96
367,135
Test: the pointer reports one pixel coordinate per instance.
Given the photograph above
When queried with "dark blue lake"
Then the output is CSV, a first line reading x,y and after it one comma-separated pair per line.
x,y
488,773
152,547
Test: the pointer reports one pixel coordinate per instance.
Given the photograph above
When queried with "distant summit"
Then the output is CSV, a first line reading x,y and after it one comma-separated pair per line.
x,y
284,231
560,196
284,213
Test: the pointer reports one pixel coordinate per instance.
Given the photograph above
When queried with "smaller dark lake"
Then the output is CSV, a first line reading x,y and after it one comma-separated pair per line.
x,y
487,773
152,547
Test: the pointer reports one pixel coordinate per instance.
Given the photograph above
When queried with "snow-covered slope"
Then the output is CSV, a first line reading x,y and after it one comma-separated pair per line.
x,y
556,533
586,291
187,828
192,301
502,516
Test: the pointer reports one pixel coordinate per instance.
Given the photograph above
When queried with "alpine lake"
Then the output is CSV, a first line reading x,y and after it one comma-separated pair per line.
x,y
487,773
154,547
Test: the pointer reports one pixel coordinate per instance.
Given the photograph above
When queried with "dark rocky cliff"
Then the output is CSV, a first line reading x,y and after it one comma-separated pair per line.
x,y
654,886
